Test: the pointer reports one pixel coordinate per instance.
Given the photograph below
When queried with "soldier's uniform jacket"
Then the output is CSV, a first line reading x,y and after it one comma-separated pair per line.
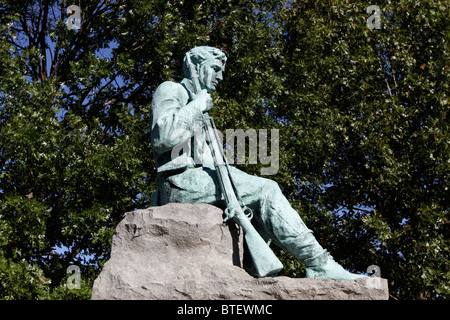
x,y
174,122
178,137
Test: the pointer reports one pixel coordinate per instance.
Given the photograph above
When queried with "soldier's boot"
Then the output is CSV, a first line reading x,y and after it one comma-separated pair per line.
x,y
324,267
286,229
319,262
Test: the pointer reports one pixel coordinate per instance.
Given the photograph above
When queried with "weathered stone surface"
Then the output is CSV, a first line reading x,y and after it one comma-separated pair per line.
x,y
184,251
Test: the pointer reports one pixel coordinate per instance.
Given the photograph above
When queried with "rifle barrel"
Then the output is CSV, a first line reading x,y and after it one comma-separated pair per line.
x,y
264,260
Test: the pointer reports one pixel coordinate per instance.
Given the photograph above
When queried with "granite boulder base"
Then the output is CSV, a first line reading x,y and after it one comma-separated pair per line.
x,y
184,251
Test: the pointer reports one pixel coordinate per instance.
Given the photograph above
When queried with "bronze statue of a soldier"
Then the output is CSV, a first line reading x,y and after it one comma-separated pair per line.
x,y
194,176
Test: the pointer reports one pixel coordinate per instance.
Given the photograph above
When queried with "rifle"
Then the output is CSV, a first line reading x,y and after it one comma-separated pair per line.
x,y
264,260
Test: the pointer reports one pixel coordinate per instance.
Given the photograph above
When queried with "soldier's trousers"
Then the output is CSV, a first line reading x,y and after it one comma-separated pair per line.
x,y
274,218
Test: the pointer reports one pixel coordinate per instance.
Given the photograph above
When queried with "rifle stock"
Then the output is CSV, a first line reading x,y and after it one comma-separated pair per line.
x,y
264,260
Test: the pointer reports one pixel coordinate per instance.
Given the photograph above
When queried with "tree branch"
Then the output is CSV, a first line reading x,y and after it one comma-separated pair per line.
x,y
43,44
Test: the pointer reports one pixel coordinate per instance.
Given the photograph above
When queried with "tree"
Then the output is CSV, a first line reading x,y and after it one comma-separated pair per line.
x,y
368,113
362,116
75,152
71,159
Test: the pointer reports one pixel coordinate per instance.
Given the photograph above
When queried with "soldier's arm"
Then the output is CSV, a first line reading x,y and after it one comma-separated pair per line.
x,y
172,117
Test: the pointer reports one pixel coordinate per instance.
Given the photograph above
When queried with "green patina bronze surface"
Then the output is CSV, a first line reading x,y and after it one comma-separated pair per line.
x,y
178,109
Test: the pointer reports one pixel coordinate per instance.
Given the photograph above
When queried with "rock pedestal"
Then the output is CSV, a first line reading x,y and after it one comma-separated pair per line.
x,y
184,251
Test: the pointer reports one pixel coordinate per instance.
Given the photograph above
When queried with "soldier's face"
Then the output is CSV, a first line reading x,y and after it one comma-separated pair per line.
x,y
211,75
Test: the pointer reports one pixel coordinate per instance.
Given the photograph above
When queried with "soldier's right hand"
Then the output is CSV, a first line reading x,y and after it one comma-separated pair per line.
x,y
204,100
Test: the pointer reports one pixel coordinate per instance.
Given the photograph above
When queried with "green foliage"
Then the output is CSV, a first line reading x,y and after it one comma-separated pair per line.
x,y
370,132
20,280
362,114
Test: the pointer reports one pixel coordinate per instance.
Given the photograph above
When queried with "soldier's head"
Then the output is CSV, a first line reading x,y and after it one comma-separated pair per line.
x,y
209,63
